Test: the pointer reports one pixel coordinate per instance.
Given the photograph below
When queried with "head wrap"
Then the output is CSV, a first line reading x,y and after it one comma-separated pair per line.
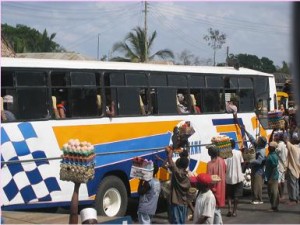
x,y
87,214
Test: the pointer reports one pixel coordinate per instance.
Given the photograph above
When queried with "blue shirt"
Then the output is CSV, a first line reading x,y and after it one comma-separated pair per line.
x,y
258,164
148,201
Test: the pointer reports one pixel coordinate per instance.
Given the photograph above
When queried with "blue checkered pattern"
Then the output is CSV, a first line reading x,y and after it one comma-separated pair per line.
x,y
21,184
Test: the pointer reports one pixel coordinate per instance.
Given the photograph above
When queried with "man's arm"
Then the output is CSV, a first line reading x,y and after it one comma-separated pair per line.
x,y
73,219
169,152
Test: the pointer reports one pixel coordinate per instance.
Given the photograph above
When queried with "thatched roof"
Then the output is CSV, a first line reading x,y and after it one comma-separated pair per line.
x,y
6,49
54,55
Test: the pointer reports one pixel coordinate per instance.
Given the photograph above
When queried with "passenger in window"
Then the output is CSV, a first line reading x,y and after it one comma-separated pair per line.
x,y
232,108
7,115
110,107
196,108
61,108
181,105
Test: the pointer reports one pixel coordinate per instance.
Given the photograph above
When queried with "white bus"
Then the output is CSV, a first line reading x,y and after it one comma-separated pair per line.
x,y
146,113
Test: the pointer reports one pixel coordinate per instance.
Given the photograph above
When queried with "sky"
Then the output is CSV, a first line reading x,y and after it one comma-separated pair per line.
x,y
93,27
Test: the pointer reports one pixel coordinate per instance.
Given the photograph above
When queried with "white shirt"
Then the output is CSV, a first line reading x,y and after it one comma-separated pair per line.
x,y
282,154
205,207
234,172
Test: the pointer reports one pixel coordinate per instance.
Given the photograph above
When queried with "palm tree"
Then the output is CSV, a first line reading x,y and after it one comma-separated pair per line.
x,y
135,50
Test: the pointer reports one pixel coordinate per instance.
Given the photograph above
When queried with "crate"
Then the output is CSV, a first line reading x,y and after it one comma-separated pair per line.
x,y
141,173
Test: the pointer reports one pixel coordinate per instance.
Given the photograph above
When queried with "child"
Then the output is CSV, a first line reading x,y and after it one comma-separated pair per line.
x,y
149,193
206,202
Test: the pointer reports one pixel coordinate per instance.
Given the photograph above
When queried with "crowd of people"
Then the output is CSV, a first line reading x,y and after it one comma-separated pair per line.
x,y
276,164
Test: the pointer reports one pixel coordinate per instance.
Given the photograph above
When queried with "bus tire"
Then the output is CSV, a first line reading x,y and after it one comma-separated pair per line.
x,y
111,197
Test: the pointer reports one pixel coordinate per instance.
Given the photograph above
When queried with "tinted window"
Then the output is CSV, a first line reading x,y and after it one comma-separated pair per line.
x,y
32,104
81,78
116,79
245,83
177,80
83,102
214,81
211,101
136,79
166,100
31,78
58,79
158,80
231,82
7,79
246,100
196,81
128,101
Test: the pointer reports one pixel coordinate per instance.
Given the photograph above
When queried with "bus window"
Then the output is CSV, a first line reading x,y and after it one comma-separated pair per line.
x,y
83,79
139,80
166,101
158,80
196,100
212,101
196,81
177,80
230,82
261,93
128,101
83,102
31,103
183,102
246,100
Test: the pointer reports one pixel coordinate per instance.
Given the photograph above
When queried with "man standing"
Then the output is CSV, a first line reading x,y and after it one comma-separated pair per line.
x,y
217,166
234,179
206,201
293,169
257,167
180,185
272,176
149,193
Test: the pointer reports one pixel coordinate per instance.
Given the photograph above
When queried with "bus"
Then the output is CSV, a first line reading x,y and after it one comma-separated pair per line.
x,y
145,114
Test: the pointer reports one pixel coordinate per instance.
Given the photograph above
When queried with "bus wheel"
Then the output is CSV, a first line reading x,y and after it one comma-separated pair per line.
x,y
111,198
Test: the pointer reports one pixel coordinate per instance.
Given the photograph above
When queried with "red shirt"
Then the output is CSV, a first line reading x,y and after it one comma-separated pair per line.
x,y
218,167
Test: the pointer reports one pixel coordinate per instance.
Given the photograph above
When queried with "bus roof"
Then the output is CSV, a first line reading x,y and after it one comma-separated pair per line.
x,y
78,64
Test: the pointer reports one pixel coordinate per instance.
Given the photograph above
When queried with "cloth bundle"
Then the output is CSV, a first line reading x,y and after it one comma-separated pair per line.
x,y
223,143
78,163
142,168
275,119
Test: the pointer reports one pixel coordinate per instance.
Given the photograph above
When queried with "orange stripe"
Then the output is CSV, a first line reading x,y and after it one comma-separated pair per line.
x,y
105,133
231,128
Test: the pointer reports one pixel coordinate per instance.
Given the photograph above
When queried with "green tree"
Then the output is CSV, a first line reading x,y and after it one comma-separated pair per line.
x,y
134,49
253,62
26,39
285,68
215,40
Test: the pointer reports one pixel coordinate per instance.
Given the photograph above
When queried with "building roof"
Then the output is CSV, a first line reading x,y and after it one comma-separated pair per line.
x,y
54,55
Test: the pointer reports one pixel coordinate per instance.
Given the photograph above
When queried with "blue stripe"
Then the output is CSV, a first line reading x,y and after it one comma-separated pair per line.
x,y
158,141
218,122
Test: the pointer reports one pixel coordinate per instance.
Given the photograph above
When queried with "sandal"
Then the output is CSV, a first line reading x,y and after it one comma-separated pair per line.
x,y
229,214
234,214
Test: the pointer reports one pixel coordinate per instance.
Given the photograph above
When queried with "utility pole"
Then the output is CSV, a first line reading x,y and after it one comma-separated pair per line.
x,y
145,31
227,55
98,52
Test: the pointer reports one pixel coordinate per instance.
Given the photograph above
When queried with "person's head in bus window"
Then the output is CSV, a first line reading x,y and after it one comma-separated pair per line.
x,y
88,216
110,106
181,105
7,115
